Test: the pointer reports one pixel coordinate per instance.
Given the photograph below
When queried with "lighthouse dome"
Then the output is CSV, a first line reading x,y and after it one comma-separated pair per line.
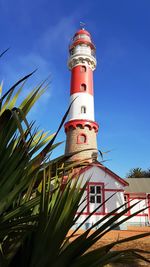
x,y
82,31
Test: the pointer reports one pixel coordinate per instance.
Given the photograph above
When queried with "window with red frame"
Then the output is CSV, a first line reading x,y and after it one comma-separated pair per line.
x,y
95,194
126,200
81,139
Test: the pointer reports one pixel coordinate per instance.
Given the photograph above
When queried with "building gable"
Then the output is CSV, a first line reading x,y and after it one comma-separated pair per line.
x,y
99,172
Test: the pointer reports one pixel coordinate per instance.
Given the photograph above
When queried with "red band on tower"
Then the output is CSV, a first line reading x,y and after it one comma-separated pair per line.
x,y
81,80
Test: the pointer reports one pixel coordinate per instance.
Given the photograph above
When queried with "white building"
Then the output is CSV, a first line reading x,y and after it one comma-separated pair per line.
x,y
103,184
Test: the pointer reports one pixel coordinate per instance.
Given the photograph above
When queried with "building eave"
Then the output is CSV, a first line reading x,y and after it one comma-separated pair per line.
x,y
107,170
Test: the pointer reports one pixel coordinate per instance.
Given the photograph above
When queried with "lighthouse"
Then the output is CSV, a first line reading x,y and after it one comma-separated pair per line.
x,y
81,128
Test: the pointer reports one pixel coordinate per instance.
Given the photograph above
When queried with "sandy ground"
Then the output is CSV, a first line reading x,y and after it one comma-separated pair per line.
x,y
143,243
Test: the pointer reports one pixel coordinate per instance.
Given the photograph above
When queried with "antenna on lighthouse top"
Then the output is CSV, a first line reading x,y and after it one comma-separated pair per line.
x,y
82,25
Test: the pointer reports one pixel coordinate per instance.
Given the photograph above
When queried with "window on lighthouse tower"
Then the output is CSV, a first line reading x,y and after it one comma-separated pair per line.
x,y
83,87
83,68
81,139
83,109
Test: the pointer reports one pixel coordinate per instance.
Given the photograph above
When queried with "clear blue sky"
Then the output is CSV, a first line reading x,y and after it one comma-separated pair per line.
x,y
39,32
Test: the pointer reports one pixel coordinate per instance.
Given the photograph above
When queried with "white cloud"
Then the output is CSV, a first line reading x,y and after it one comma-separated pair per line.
x,y
57,36
22,65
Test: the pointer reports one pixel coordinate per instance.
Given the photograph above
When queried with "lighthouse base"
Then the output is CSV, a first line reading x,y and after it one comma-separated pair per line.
x,y
82,141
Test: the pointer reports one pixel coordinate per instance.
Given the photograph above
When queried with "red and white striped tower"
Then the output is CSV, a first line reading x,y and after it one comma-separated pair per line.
x,y
81,128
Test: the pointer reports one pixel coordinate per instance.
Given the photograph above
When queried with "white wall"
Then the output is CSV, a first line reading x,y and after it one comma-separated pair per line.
x,y
84,49
97,175
82,99
142,219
